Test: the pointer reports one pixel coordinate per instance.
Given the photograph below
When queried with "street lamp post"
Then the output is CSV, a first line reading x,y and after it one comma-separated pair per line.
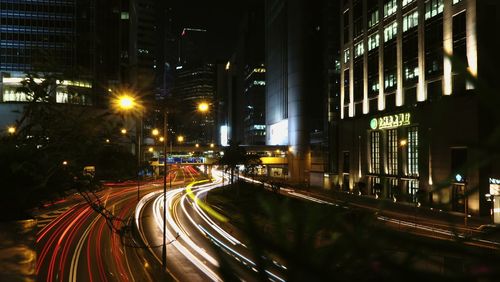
x,y
128,103
164,247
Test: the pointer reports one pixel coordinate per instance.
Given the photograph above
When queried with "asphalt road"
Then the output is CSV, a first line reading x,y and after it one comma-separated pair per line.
x,y
81,244
197,244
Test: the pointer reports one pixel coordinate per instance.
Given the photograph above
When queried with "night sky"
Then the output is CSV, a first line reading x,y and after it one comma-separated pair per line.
x,y
221,18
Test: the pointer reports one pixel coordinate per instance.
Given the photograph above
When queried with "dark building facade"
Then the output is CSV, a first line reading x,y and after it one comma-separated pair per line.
x,y
255,98
413,119
296,100
245,83
195,84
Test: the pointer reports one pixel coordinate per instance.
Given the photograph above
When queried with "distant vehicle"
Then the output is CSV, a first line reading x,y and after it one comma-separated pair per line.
x,y
89,171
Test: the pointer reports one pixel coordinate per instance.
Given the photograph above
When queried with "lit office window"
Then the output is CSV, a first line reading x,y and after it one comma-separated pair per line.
x,y
373,19
373,41
410,21
346,55
392,152
406,2
375,152
390,8
413,151
359,49
390,81
390,31
411,73
393,188
376,188
412,190
433,8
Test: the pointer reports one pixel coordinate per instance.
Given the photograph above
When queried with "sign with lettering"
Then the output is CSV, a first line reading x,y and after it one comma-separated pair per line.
x,y
391,121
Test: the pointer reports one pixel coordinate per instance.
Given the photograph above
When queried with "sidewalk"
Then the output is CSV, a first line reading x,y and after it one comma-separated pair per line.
x,y
402,211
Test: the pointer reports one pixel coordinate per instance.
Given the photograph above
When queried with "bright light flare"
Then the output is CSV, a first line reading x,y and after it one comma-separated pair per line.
x,y
203,107
11,130
126,102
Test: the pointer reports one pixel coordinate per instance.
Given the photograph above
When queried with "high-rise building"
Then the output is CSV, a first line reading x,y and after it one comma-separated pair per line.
x,y
255,98
194,84
415,121
46,37
296,102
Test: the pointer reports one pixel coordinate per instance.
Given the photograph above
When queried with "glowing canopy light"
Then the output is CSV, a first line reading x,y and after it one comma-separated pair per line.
x,y
278,133
224,131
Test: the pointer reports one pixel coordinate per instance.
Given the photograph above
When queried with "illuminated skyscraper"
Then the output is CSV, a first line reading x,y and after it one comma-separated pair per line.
x,y
413,111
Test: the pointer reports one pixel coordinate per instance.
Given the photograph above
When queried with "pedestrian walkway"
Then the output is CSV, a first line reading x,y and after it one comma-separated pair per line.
x,y
401,215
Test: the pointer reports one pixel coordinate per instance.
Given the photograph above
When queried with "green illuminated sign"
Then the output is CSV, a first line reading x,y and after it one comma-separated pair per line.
x,y
391,121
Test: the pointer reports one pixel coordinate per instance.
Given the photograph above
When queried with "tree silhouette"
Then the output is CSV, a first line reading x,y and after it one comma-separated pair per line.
x,y
235,155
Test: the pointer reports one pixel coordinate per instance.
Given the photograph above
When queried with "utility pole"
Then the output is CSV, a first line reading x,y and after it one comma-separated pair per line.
x,y
164,247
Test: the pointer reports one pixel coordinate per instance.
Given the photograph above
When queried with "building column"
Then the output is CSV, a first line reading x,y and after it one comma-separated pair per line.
x,y
422,89
298,131
471,20
381,94
365,61
399,55
447,47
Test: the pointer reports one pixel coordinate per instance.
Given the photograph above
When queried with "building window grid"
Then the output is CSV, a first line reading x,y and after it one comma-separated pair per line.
x,y
433,8
390,8
410,21
373,41
390,31
392,152
413,151
375,152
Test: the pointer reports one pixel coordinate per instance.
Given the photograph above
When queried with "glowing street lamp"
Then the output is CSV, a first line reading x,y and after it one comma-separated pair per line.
x,y
155,132
65,162
123,131
11,130
162,139
197,145
126,102
180,139
151,149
